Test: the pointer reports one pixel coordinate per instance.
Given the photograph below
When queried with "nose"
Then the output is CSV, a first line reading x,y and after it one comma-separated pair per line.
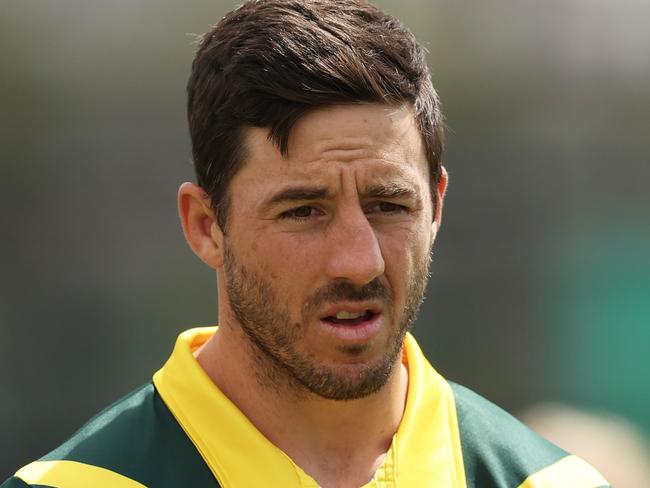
x,y
354,251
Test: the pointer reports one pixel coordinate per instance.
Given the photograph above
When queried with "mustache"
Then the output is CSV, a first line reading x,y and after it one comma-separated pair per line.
x,y
346,291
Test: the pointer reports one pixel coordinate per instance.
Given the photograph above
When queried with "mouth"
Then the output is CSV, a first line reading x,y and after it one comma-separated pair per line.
x,y
348,318
353,322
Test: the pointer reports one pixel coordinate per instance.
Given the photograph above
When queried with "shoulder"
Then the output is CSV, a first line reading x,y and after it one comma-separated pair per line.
x,y
133,443
499,451
14,482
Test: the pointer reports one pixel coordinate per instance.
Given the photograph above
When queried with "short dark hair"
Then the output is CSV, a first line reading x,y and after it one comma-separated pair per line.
x,y
269,62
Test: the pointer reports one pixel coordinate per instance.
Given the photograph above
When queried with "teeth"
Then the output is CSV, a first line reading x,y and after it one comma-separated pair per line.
x,y
349,315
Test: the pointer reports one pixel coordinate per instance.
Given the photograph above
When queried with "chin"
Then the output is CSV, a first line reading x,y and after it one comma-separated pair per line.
x,y
349,380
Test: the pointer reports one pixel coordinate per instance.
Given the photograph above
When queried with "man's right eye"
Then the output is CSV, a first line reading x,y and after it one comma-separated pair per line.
x,y
299,213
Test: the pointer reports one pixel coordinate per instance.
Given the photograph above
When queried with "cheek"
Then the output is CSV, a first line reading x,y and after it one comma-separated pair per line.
x,y
404,252
405,242
282,257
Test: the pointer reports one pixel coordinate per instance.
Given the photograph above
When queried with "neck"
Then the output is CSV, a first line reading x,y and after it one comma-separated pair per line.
x,y
339,443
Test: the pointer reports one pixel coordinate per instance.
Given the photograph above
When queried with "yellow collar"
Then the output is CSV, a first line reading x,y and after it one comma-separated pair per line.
x,y
425,451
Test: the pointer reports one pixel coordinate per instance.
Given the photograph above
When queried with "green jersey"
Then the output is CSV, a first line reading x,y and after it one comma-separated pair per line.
x,y
181,431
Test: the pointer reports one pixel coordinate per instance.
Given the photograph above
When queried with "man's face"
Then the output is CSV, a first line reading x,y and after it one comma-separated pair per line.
x,y
326,253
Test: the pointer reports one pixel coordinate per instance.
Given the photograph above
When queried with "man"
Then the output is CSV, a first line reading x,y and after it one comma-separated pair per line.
x,y
317,139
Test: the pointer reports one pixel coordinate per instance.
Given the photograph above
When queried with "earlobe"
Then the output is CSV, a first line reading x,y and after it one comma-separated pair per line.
x,y
441,189
200,228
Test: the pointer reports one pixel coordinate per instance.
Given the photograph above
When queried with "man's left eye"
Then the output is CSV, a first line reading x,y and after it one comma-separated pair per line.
x,y
390,207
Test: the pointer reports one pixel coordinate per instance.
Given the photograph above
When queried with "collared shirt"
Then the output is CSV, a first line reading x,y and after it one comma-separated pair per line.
x,y
183,431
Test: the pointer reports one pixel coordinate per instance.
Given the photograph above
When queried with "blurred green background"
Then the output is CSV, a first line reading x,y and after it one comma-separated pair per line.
x,y
541,276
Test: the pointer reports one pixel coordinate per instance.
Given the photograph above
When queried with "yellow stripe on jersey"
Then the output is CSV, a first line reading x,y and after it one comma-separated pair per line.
x,y
426,450
569,471
427,444
72,474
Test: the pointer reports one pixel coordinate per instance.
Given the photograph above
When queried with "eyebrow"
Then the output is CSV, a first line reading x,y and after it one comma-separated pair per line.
x,y
309,193
297,194
391,190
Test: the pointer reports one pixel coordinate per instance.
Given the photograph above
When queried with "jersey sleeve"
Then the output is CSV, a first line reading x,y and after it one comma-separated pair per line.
x,y
568,471
14,482
134,443
501,452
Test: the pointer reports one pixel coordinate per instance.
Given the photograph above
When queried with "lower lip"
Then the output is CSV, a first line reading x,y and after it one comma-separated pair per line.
x,y
354,333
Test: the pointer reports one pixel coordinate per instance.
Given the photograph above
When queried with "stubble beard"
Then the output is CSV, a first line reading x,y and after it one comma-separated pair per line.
x,y
273,336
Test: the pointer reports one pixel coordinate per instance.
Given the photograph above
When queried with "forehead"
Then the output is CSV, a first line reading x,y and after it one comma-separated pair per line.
x,y
377,143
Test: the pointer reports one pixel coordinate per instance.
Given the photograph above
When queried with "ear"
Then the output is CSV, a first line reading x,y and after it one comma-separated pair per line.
x,y
199,224
441,188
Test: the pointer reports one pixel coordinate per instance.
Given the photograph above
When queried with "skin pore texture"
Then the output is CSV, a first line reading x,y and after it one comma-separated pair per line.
x,y
321,270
